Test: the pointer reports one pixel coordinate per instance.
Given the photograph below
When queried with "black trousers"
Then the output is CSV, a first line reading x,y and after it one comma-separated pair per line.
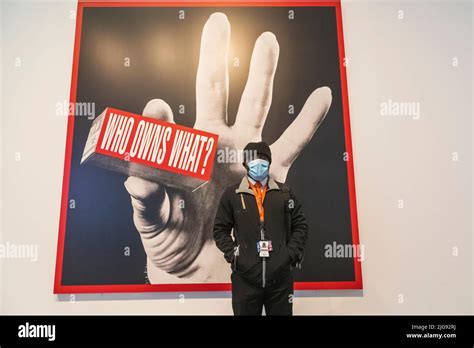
x,y
249,299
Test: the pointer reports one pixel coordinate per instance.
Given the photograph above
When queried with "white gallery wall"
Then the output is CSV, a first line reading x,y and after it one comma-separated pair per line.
x,y
413,173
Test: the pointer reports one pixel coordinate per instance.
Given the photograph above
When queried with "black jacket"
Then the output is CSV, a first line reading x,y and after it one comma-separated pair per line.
x,y
285,225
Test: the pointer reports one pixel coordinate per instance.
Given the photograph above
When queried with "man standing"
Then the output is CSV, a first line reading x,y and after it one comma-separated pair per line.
x,y
269,235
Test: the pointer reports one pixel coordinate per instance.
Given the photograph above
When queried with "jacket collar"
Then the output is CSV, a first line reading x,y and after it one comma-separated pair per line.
x,y
244,186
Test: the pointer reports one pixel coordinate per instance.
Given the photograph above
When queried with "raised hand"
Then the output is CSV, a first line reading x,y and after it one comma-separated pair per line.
x,y
176,226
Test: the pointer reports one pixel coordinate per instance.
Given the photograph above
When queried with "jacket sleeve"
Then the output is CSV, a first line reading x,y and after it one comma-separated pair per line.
x,y
299,230
223,224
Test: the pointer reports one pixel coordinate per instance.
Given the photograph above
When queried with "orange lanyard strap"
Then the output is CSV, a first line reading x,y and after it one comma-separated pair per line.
x,y
259,197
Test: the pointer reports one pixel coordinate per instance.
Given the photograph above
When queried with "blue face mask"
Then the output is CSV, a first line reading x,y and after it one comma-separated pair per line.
x,y
258,169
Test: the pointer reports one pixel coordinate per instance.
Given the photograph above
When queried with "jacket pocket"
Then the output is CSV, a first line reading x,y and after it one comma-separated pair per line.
x,y
287,258
283,264
278,265
235,258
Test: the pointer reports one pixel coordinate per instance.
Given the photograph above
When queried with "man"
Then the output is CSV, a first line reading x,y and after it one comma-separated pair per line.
x,y
269,235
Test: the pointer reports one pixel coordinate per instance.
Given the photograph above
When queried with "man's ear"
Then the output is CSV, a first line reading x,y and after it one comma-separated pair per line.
x,y
246,167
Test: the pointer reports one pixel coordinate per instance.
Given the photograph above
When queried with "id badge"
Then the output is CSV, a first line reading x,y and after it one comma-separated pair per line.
x,y
264,247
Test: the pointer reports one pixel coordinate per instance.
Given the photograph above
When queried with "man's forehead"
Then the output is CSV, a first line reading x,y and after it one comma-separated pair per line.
x,y
262,156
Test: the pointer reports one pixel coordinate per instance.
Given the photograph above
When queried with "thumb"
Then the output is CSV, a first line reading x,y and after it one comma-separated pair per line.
x,y
144,190
151,204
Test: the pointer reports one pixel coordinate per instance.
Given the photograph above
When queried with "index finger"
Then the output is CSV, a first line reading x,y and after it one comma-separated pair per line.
x,y
212,81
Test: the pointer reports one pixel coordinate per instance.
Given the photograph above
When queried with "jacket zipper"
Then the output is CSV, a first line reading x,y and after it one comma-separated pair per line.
x,y
264,261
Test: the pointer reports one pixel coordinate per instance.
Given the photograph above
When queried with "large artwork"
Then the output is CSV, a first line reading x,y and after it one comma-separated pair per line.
x,y
242,72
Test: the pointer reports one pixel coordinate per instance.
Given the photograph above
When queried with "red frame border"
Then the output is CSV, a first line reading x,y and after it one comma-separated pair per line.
x,y
63,289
